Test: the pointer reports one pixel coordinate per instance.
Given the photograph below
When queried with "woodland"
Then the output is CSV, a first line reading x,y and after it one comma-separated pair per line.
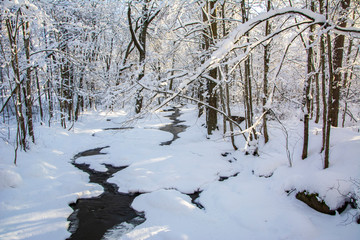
x,y
243,64
60,58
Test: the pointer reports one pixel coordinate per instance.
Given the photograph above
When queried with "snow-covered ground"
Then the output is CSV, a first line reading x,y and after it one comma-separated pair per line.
x,y
34,195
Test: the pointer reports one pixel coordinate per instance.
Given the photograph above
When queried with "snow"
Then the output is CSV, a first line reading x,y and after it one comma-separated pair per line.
x,y
9,178
251,204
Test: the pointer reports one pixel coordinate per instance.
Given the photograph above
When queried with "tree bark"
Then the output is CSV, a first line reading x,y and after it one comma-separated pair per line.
x,y
323,80
12,34
329,116
266,72
232,137
209,17
39,96
330,89
306,93
337,65
28,95
247,85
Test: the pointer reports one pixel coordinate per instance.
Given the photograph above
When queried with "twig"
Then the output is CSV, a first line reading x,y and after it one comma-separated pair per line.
x,y
286,137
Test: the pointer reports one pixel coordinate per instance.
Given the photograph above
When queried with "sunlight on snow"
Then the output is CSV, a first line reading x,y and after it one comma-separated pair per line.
x,y
34,223
48,165
64,133
57,152
355,138
87,193
152,160
113,114
145,233
185,203
34,229
35,216
88,131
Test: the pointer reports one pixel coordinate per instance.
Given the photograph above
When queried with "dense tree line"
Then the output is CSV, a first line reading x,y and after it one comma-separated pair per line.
x,y
59,58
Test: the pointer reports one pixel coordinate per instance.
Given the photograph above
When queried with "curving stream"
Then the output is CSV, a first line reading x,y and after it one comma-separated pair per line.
x,y
175,127
94,217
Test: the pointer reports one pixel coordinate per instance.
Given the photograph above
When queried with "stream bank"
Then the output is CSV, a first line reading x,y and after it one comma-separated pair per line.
x,y
94,217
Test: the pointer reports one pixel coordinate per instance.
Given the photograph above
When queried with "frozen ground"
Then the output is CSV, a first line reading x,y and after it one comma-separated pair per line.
x,y
34,195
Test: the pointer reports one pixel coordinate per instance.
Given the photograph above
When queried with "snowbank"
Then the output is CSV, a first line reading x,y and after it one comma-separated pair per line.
x,y
252,203
9,178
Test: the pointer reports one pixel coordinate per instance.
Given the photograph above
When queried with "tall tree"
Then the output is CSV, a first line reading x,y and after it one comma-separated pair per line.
x,y
148,14
307,85
266,72
27,89
13,28
337,63
209,12
247,79
323,78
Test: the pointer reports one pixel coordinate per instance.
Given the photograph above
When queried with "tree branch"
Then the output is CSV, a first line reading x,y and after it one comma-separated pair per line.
x,y
133,36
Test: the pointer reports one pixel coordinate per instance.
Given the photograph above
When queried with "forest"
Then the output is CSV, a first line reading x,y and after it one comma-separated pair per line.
x,y
261,76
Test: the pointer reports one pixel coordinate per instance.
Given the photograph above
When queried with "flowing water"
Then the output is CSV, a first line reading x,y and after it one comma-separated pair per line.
x,y
93,218
175,127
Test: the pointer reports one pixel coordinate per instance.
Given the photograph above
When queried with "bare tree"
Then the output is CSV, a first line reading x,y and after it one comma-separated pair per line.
x,y
13,28
27,88
209,12
323,79
306,92
247,79
337,63
266,72
148,14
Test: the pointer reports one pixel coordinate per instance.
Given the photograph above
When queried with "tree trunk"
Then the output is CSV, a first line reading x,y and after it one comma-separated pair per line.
x,y
337,64
12,34
317,98
323,80
329,116
205,45
28,95
200,93
66,101
306,93
266,72
140,44
209,17
347,78
211,114
80,99
39,96
229,114
223,106
248,89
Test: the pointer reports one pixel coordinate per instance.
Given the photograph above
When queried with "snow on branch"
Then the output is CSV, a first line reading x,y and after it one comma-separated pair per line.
x,y
227,45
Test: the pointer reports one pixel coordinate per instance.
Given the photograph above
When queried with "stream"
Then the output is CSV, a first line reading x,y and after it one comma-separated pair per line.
x,y
175,127
95,217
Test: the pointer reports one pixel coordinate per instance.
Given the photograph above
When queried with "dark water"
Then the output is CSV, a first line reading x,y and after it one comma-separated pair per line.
x,y
117,128
175,127
93,217
194,196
